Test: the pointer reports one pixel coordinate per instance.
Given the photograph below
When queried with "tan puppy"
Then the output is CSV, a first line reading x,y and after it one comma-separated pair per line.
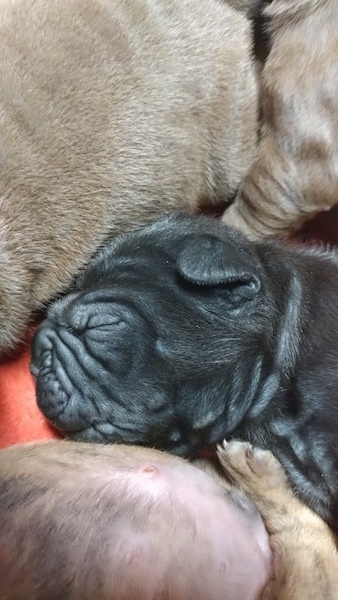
x,y
135,523
111,112
295,174
306,558
113,522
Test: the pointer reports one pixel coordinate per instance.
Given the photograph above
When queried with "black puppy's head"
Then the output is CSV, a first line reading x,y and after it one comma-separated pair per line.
x,y
161,342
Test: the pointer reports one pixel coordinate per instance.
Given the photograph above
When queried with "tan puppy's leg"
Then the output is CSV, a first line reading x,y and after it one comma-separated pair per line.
x,y
306,558
295,174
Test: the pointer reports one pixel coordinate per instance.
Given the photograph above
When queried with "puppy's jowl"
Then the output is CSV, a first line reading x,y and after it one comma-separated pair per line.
x,y
185,333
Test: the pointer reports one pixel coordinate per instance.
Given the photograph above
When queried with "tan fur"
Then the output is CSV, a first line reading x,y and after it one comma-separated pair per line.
x,y
65,501
295,174
111,111
111,522
251,8
305,552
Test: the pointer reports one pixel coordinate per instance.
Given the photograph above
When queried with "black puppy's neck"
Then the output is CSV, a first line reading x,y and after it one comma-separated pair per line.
x,y
262,392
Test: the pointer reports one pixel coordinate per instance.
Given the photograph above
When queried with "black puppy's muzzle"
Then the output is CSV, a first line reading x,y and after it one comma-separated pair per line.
x,y
78,354
97,379
64,371
51,365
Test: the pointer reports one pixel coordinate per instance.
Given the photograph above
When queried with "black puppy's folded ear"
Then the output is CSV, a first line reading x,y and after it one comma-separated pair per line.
x,y
206,260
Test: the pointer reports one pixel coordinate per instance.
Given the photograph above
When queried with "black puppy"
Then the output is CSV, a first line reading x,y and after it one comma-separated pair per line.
x,y
185,333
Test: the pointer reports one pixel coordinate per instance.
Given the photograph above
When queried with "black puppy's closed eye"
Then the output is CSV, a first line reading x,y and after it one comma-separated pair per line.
x,y
209,261
104,320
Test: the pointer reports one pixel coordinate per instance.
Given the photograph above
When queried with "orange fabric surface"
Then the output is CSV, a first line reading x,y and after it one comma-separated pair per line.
x,y
20,418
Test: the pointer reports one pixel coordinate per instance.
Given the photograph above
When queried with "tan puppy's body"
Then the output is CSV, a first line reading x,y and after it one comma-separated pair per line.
x,y
114,522
111,112
305,550
132,522
295,174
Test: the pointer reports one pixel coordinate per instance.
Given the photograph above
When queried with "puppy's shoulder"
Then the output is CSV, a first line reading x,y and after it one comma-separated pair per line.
x,y
281,13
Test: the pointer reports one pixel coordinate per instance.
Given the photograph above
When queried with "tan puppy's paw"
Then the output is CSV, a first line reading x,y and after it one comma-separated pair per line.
x,y
250,467
305,553
259,474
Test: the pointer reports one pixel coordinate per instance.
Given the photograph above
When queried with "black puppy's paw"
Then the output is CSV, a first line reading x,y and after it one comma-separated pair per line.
x,y
253,469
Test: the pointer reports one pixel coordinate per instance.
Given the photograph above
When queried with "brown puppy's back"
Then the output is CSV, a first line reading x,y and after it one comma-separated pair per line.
x,y
111,112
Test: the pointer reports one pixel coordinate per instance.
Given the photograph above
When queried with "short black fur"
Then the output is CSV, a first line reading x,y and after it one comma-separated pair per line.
x,y
185,333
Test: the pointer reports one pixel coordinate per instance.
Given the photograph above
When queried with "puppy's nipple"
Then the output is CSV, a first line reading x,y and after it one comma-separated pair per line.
x,y
150,471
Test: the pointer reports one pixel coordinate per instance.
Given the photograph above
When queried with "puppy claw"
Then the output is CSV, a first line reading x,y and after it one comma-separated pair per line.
x,y
220,446
248,466
250,451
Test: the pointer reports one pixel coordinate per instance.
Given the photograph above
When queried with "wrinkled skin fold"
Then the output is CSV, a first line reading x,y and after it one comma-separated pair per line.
x,y
185,333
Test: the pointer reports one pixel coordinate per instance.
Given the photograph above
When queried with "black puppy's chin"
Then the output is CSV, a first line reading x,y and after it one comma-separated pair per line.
x,y
91,434
182,442
190,442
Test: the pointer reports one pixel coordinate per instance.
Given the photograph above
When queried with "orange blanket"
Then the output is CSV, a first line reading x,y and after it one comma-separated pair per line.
x,y
20,418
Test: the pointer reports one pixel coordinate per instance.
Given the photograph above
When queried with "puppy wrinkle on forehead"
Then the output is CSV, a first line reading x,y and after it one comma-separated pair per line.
x,y
288,332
